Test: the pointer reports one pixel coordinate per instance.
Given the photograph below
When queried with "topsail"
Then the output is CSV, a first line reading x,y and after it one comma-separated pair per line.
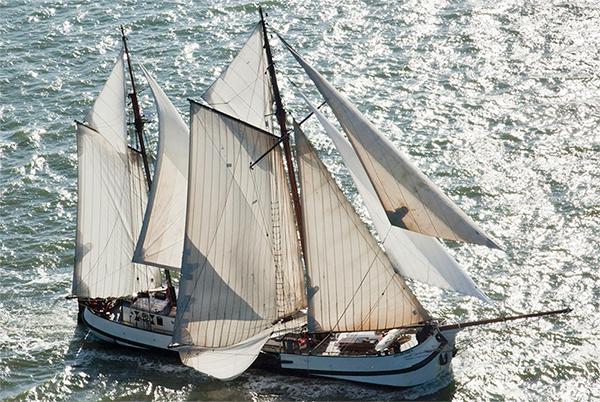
x,y
410,199
243,90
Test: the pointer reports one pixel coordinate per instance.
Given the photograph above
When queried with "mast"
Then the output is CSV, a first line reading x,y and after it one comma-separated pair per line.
x,y
285,139
137,115
139,130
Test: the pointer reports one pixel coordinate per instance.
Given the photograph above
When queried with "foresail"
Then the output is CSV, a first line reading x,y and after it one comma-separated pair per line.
x,y
413,255
410,199
243,90
161,239
352,284
228,291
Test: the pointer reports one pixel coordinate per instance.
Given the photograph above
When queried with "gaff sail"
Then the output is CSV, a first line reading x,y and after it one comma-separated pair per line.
x,y
111,198
233,247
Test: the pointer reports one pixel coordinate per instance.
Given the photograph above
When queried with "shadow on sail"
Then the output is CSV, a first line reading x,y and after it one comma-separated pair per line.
x,y
225,303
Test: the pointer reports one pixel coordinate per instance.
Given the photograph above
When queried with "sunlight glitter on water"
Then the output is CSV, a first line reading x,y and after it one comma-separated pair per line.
x,y
497,103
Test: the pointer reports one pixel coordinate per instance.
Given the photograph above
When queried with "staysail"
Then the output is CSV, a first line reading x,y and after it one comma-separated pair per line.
x,y
111,198
410,199
413,255
161,240
352,284
243,90
234,243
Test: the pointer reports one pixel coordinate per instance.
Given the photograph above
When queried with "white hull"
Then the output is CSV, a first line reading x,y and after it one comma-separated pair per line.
x,y
418,365
128,335
125,335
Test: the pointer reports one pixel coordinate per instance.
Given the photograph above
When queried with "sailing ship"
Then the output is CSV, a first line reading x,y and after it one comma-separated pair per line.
x,y
277,267
121,300
120,249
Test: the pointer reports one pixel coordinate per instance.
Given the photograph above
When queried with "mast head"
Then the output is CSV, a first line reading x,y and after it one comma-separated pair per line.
x,y
262,16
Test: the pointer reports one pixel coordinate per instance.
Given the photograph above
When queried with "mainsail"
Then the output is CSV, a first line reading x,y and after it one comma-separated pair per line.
x,y
413,255
161,239
243,90
410,199
352,285
237,255
111,197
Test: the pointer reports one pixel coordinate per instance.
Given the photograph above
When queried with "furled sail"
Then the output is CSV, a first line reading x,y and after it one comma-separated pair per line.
x,y
236,253
243,89
111,197
161,239
410,199
352,284
413,255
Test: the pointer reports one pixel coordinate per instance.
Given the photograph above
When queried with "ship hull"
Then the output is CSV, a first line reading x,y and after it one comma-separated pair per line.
x,y
118,332
418,365
125,335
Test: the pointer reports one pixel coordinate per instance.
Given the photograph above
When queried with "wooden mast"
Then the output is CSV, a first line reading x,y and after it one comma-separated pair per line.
x,y
139,130
137,115
285,139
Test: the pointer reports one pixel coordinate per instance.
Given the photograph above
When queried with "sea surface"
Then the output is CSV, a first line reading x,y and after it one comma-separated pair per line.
x,y
498,102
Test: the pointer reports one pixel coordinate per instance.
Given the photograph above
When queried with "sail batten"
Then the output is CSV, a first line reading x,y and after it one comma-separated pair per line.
x,y
413,255
111,198
352,284
410,199
161,239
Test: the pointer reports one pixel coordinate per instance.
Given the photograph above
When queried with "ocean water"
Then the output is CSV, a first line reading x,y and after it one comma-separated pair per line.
x,y
497,102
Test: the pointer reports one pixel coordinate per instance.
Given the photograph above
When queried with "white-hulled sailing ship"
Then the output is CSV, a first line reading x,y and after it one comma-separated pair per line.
x,y
123,301
274,266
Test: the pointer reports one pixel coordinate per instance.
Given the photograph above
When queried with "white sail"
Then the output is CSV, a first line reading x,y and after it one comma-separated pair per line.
x,y
226,363
410,199
243,89
111,197
107,115
413,255
228,289
291,288
352,284
161,239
